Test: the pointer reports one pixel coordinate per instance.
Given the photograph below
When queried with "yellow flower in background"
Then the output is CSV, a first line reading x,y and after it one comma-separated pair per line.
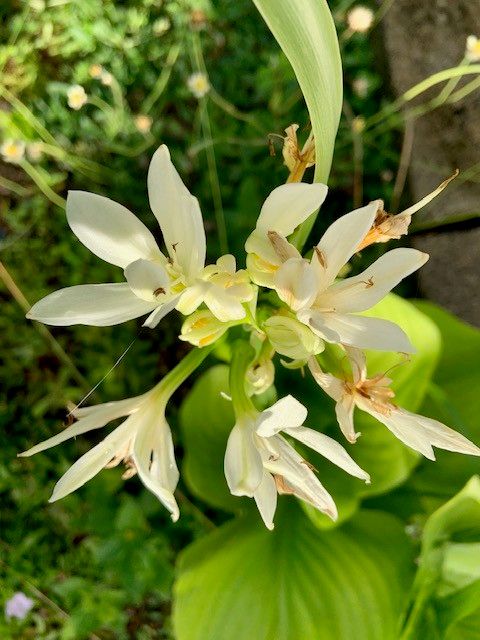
x,y
13,151
360,19
76,97
198,84
472,50
143,123
96,71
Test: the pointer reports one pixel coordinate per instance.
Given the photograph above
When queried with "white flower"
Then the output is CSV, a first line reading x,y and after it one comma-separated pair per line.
x,y
259,462
161,26
35,151
361,86
143,123
198,84
18,606
360,19
282,212
95,71
76,97
143,442
106,78
374,396
472,49
13,151
328,306
155,284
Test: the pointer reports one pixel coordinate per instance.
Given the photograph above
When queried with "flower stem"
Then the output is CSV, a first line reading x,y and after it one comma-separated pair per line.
x,y
184,369
243,354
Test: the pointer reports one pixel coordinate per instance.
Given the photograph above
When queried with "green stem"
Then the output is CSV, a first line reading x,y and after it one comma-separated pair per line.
x,y
184,369
243,354
163,79
37,177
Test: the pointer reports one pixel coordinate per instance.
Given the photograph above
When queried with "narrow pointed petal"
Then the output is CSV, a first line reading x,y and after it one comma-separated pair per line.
x,y
178,214
95,419
160,312
428,198
109,230
357,331
298,478
340,241
243,463
154,457
358,363
296,284
403,427
289,205
147,279
286,413
266,499
364,291
344,409
93,461
97,305
127,406
330,449
440,435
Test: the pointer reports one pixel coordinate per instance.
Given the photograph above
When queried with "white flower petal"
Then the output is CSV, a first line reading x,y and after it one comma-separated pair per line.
x,y
330,449
154,457
266,499
178,214
340,241
227,263
98,417
358,363
93,461
357,331
159,313
128,406
286,413
298,477
362,292
289,205
147,279
109,230
192,297
224,306
344,411
243,463
295,283
98,305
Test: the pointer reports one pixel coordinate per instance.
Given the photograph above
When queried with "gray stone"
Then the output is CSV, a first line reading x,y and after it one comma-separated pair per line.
x,y
421,38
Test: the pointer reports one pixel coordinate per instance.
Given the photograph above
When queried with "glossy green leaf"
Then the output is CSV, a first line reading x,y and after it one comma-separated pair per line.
x,y
446,587
244,582
206,419
305,31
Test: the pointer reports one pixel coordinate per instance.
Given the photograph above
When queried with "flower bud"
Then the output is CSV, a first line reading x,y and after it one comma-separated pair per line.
x,y
202,328
291,338
260,376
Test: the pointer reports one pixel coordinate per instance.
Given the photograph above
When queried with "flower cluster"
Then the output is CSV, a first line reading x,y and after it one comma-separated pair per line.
x,y
290,304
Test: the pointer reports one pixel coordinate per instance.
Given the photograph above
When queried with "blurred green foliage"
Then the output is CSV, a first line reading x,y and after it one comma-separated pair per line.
x,y
100,564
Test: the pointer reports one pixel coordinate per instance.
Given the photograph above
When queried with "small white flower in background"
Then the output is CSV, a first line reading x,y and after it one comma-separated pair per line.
x,y
18,606
76,97
360,19
143,442
106,78
259,462
156,284
13,151
161,26
35,151
143,123
472,49
95,71
361,86
374,396
198,84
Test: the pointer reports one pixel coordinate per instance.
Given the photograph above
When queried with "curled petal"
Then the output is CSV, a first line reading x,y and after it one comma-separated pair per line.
x,y
243,463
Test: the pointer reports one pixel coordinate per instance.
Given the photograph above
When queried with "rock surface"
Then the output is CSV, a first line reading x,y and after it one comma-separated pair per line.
x,y
422,37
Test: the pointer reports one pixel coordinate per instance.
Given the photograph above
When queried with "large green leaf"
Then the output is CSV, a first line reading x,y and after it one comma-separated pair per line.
x,y
305,31
206,419
244,582
445,597
454,400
